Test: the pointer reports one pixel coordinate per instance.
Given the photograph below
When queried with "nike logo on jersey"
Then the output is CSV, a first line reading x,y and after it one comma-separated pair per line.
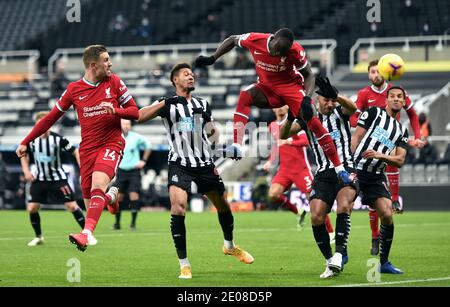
x,y
371,100
82,97
256,52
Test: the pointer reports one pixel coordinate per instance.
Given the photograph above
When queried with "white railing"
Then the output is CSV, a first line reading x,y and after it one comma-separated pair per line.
x,y
405,40
30,55
327,46
445,91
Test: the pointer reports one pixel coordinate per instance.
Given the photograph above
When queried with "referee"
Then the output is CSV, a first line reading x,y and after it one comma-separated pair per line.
x,y
50,178
129,173
380,140
189,128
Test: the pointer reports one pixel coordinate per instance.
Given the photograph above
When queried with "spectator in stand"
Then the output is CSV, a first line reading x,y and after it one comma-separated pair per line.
x,y
59,81
428,154
118,24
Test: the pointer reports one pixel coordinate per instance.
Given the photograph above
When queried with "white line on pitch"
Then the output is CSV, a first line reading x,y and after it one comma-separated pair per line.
x,y
395,282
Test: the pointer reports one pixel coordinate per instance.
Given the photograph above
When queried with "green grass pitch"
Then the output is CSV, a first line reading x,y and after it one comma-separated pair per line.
x,y
283,255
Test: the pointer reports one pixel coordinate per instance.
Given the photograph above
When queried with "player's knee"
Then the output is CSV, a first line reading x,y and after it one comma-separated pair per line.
x,y
245,98
72,206
317,219
307,110
32,208
177,208
274,195
133,196
386,216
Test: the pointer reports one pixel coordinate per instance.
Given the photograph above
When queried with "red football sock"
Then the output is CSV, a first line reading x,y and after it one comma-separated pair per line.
x,y
393,177
373,217
96,206
284,202
328,224
241,116
325,140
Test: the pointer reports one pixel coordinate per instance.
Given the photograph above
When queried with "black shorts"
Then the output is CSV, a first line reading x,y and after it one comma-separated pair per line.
x,y
326,186
60,191
372,186
207,178
128,181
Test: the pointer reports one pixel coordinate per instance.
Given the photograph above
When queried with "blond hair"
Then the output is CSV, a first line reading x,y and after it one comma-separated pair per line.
x,y
92,54
40,115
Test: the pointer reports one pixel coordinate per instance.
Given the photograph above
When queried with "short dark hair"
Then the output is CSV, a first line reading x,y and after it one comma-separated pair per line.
x,y
286,34
92,53
396,87
176,69
372,63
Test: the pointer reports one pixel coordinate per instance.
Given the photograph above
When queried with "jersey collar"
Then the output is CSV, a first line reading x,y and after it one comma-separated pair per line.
x,y
90,83
376,90
268,41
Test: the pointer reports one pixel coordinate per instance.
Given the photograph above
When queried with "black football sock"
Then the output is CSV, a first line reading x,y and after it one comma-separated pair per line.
x,y
343,225
79,217
386,237
226,221
134,206
178,230
36,223
323,240
119,214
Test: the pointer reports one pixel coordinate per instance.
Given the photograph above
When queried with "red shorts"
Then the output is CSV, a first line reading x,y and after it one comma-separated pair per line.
x,y
303,181
105,159
290,94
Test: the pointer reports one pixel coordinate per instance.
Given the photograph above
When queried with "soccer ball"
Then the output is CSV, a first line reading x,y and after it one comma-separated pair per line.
x,y
391,66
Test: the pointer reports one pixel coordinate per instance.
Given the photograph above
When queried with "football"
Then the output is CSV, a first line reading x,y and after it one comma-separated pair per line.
x,y
391,66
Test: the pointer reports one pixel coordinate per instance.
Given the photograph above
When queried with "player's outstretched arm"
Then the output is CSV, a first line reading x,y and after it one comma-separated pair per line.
x,y
151,111
226,46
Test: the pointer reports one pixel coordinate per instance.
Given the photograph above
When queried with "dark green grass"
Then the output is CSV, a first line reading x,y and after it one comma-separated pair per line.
x,y
283,255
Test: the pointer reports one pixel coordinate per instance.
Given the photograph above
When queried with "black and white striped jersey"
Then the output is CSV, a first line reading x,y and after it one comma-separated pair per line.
x,y
47,156
384,133
338,126
185,128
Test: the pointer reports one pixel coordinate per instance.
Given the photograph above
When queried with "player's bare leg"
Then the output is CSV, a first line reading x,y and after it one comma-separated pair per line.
x,y
178,201
276,196
226,221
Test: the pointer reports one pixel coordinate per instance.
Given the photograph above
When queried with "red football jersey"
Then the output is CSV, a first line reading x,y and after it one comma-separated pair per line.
x,y
274,69
97,126
372,97
293,158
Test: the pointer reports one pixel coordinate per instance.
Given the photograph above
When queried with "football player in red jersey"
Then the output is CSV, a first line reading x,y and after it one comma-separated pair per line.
x,y
284,78
375,96
294,166
100,100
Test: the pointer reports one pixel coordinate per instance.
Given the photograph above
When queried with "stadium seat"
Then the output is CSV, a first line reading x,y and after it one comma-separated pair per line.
x,y
443,173
419,173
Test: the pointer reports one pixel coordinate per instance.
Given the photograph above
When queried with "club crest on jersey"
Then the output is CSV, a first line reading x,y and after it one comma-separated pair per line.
x,y
108,93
